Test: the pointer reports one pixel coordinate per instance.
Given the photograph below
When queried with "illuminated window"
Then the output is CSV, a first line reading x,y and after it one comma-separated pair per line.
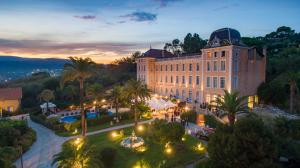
x,y
208,54
190,80
198,67
183,80
215,54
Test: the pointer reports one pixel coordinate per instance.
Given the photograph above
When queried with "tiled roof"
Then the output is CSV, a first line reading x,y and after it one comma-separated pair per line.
x,y
10,93
157,53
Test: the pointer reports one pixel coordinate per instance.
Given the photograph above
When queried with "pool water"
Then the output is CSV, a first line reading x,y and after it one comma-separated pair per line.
x,y
71,119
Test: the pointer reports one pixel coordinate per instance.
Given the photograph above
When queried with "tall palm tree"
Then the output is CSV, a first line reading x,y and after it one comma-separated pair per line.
x,y
95,91
79,69
46,95
231,104
136,91
117,95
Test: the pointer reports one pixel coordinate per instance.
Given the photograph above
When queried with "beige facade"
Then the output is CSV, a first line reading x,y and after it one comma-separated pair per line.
x,y
10,99
201,77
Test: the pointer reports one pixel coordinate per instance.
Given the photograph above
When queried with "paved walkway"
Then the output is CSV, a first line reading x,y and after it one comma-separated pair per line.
x,y
48,144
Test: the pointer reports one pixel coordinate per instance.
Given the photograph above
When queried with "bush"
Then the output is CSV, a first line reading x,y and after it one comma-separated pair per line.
x,y
163,132
108,156
287,128
191,116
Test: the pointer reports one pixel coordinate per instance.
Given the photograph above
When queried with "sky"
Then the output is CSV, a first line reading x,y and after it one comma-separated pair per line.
x,y
106,30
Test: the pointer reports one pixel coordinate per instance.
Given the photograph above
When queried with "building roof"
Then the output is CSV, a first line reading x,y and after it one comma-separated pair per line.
x,y
10,93
157,53
224,37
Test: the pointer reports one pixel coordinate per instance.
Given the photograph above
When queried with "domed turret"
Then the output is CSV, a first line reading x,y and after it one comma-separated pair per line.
x,y
224,37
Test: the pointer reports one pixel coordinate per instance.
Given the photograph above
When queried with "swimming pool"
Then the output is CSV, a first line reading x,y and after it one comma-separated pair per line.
x,y
71,119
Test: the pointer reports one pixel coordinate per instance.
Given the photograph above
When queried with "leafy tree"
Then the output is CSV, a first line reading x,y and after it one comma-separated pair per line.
x,y
249,143
193,43
136,91
231,104
175,47
79,69
47,95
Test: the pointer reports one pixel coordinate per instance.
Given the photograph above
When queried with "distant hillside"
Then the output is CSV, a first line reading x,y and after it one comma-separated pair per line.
x,y
12,67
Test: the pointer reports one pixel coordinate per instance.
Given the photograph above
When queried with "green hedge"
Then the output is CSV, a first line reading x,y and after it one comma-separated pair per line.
x,y
211,121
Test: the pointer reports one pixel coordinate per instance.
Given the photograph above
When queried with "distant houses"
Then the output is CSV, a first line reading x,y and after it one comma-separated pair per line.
x,y
10,99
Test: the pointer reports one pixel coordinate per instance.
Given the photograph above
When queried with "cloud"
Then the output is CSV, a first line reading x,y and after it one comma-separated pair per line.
x,y
164,3
140,16
86,17
102,52
224,7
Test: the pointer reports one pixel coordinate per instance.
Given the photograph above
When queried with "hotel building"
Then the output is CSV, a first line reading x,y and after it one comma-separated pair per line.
x,y
224,63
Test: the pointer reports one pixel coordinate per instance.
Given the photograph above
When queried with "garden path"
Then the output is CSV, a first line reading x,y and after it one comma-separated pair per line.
x,y
41,153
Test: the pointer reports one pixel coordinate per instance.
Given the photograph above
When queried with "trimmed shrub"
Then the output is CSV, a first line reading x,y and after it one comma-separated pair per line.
x,y
211,121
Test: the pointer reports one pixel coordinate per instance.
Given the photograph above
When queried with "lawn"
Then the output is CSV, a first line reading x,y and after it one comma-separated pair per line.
x,y
153,156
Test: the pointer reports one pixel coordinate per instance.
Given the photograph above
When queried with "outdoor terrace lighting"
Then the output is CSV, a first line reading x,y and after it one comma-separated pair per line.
x,y
77,141
114,134
168,150
183,138
103,100
95,102
186,108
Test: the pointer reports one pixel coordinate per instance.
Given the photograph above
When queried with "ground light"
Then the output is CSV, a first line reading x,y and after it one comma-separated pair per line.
x,y
75,131
183,139
168,149
114,134
200,147
140,128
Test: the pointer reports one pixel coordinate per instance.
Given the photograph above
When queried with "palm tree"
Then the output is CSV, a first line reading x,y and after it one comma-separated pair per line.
x,y
76,157
231,104
117,95
79,69
95,91
46,95
136,92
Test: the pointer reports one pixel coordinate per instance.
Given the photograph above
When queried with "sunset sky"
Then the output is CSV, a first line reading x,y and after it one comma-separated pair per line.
x,y
108,29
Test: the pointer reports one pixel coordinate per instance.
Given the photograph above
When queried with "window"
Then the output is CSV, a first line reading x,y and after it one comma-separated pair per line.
x,y
182,67
223,66
190,80
10,108
190,95
190,67
139,68
160,78
197,67
197,80
235,82
208,82
215,65
166,91
177,67
171,79
166,67
177,79
183,80
161,67
208,66
208,54
171,67
177,92
215,54
235,62
166,80
222,82
215,82
223,54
